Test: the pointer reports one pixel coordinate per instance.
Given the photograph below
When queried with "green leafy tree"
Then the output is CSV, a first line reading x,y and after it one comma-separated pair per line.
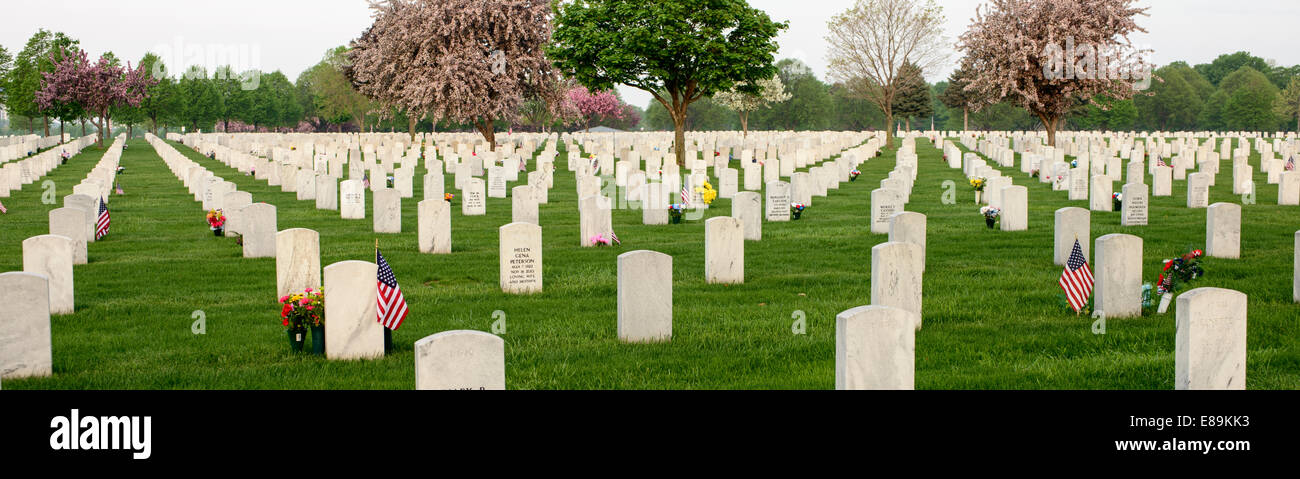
x,y
809,107
1282,76
236,102
1107,114
161,102
851,112
1246,100
912,99
679,51
307,101
1288,106
24,79
334,97
42,51
1229,63
6,67
957,97
1174,103
1250,101
706,114
200,102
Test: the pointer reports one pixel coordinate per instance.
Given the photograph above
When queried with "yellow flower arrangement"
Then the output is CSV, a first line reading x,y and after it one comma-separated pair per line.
x,y
977,183
707,193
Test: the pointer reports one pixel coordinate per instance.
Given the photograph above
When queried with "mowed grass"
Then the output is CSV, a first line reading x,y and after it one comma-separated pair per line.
x,y
993,316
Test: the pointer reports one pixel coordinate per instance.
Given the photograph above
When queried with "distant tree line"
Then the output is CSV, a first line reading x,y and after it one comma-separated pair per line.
x,y
1236,91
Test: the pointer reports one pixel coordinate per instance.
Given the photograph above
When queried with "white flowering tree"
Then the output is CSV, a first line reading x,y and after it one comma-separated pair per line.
x,y
771,91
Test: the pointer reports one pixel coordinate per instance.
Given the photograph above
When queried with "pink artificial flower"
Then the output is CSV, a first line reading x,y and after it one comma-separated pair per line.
x,y
308,290
309,308
284,299
304,301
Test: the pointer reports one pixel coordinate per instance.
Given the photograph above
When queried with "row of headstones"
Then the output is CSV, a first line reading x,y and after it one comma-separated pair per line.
x,y
475,360
630,174
700,148
15,174
868,355
999,191
1222,231
17,147
1135,194
285,172
71,227
46,284
78,219
254,222
386,204
654,197
1108,171
875,346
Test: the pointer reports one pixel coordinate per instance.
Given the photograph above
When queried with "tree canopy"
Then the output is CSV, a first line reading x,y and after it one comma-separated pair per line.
x,y
679,51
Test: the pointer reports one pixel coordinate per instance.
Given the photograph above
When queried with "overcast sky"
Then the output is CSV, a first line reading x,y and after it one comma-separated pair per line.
x,y
291,35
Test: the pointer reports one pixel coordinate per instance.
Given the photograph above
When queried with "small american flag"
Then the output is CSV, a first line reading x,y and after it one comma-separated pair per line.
x,y
686,196
101,229
614,238
1290,163
595,166
117,188
1076,280
392,305
2,208
365,180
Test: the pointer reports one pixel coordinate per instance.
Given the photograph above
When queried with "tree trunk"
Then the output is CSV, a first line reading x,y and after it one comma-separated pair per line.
x,y
410,127
1049,124
486,129
744,123
965,119
679,138
45,120
61,122
908,123
83,126
889,130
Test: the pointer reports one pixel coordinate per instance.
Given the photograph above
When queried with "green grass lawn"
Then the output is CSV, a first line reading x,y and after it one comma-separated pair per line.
x,y
993,316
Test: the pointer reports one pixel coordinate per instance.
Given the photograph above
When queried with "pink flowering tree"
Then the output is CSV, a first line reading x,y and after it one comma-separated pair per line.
x,y
593,106
1049,56
466,61
97,87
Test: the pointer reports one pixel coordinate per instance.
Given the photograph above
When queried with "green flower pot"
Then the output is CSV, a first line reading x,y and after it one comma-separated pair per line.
x,y
318,340
297,338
